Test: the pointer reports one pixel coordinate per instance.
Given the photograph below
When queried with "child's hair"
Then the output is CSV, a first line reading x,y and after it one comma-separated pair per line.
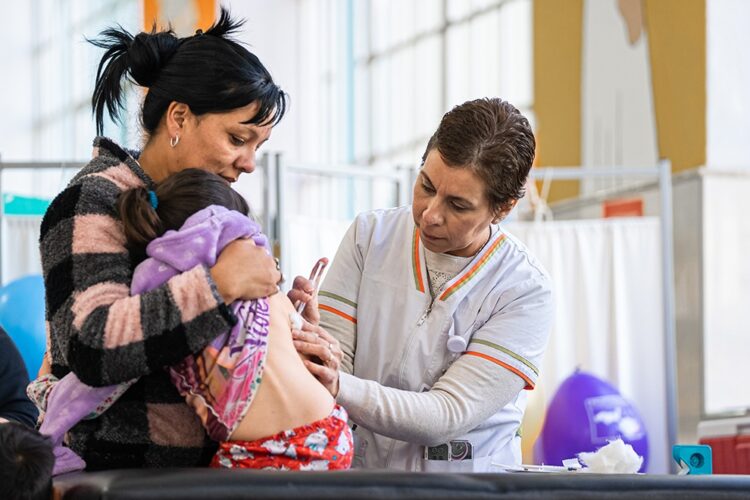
x,y
177,198
26,462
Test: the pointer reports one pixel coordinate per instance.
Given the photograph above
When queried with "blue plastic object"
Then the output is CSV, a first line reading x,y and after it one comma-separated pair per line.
x,y
693,459
22,317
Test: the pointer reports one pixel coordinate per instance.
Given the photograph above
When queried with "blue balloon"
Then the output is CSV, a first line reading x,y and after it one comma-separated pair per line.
x,y
585,413
22,317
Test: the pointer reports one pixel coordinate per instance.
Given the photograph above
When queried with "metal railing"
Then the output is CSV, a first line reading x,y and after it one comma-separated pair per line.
x,y
40,165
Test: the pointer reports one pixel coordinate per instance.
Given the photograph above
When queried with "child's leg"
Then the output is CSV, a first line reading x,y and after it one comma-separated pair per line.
x,y
322,445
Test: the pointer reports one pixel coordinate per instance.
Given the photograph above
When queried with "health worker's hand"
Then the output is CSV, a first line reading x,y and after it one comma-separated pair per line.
x,y
303,292
324,353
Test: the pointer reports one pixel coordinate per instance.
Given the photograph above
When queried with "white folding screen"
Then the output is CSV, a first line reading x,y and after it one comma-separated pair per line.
x,y
607,284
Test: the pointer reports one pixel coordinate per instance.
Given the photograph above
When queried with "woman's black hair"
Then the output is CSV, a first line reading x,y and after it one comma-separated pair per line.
x,y
208,71
178,197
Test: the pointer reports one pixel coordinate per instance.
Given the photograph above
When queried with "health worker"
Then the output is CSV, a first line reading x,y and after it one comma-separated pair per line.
x,y
437,316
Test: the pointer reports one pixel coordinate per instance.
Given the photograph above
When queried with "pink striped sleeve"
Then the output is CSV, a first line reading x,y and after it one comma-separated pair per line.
x,y
100,294
192,293
123,323
97,234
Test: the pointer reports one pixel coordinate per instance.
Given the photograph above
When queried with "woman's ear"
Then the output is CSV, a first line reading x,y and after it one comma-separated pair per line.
x,y
176,116
503,212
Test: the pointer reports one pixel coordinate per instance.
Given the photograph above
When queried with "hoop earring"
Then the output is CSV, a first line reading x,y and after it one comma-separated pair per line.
x,y
173,141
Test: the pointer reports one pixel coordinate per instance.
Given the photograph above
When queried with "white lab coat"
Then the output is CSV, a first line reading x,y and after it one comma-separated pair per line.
x,y
500,303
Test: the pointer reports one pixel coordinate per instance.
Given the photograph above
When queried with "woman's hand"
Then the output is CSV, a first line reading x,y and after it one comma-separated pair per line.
x,y
303,290
315,342
245,271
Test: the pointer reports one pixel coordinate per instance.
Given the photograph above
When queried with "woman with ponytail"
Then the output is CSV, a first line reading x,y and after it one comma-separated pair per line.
x,y
209,103
249,386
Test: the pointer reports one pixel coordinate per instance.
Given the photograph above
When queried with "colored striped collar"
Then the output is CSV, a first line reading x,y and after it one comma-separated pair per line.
x,y
416,261
480,261
464,277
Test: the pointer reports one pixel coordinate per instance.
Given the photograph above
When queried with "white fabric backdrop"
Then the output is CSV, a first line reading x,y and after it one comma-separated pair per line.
x,y
607,284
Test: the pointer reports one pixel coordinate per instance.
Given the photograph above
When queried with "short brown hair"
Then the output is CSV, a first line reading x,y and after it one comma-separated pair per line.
x,y
492,137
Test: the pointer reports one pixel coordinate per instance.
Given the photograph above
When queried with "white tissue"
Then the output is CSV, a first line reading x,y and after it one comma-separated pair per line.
x,y
296,320
615,458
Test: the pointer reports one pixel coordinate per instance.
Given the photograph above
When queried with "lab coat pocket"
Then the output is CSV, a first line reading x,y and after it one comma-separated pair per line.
x,y
360,447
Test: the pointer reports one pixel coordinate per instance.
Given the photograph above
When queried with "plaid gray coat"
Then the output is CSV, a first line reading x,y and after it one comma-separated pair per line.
x,y
106,336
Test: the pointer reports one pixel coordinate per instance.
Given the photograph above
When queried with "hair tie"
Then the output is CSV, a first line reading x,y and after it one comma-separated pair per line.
x,y
153,199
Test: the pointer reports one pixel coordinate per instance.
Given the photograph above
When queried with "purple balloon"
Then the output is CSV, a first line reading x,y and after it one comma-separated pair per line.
x,y
585,413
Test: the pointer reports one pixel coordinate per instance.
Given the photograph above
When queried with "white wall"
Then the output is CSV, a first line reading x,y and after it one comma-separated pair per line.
x,y
618,124
726,292
48,71
15,93
272,32
17,104
728,84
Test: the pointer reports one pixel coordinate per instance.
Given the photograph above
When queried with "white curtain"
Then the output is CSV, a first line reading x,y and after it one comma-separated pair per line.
x,y
608,292
20,251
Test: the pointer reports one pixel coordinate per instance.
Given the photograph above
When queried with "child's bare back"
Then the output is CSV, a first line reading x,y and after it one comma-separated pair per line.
x,y
288,395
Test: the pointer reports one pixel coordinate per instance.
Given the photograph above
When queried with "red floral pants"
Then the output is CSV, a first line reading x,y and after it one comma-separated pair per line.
x,y
322,445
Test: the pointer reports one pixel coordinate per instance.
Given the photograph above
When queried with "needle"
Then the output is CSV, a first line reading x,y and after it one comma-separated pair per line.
x,y
315,277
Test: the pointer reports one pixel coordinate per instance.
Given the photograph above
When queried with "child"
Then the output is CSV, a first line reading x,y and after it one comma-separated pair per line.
x,y
26,461
249,386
